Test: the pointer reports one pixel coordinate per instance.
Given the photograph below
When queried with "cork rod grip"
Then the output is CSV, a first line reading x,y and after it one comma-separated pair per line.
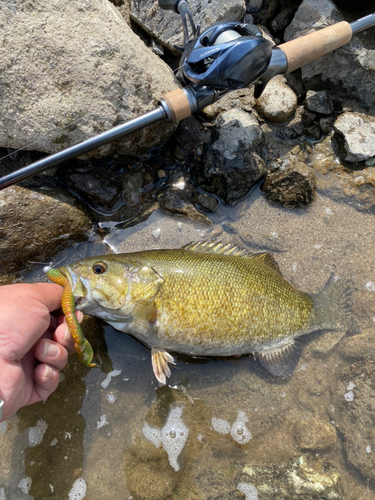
x,y
310,47
178,105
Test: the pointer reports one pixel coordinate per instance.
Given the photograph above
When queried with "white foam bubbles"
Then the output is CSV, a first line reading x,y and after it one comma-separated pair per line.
x,y
101,422
172,436
111,398
238,430
249,490
36,433
114,373
221,426
79,489
349,396
25,484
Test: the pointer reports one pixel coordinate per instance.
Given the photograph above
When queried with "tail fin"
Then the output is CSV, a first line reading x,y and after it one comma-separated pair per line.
x,y
333,305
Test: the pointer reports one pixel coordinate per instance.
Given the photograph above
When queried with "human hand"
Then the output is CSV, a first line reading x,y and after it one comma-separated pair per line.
x,y
34,345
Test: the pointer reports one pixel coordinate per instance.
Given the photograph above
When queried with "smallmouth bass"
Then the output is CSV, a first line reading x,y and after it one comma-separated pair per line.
x,y
205,299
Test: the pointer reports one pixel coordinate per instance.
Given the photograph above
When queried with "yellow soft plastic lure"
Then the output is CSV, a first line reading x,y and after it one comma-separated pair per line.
x,y
81,345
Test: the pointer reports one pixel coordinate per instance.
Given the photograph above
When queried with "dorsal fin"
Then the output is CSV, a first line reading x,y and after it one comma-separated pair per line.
x,y
209,246
267,260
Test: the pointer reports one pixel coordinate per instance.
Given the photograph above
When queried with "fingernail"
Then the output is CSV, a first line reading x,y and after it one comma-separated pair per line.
x,y
79,315
67,335
50,349
49,372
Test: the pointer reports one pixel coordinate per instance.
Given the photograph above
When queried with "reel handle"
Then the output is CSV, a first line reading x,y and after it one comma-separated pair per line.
x,y
310,47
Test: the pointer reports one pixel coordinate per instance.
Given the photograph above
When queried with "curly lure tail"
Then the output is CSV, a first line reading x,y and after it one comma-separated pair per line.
x,y
82,345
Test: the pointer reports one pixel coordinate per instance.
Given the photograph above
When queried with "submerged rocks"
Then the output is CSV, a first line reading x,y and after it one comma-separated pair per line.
x,y
79,70
292,186
35,225
232,164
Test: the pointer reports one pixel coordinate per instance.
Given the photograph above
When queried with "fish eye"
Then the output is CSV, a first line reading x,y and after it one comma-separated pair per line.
x,y
99,268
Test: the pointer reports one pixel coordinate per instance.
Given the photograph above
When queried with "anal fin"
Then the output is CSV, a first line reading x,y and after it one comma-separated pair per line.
x,y
160,359
280,361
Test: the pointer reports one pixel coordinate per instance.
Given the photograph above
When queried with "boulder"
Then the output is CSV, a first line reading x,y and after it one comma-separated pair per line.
x,y
70,70
35,224
348,72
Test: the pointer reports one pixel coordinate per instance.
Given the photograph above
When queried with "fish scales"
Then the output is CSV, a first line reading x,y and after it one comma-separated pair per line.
x,y
205,299
224,300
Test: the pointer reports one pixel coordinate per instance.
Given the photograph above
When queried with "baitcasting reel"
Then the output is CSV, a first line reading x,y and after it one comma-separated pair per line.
x,y
229,55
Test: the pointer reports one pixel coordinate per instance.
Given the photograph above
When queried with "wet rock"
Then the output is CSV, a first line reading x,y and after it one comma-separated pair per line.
x,y
324,344
177,202
232,164
35,225
314,434
67,95
347,72
191,137
206,202
291,186
354,409
319,102
91,186
359,347
355,135
132,183
314,479
278,102
165,25
340,183
240,99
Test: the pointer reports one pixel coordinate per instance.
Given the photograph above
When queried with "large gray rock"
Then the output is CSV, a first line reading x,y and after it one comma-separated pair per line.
x,y
348,72
166,26
70,70
35,225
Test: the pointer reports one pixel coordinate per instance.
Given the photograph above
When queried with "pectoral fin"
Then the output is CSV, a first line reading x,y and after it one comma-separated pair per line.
x,y
160,360
146,310
280,361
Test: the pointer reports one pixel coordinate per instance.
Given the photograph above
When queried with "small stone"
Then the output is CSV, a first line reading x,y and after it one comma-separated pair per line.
x,y
254,6
314,434
319,102
278,102
176,202
206,202
325,124
291,186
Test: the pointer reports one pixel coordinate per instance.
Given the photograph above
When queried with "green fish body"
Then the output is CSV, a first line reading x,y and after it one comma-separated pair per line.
x,y
205,299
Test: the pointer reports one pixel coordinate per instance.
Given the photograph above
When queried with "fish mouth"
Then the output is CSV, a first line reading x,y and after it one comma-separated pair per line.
x,y
78,288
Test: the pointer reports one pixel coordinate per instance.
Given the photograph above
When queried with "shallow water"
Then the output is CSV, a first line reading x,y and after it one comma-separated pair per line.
x,y
222,429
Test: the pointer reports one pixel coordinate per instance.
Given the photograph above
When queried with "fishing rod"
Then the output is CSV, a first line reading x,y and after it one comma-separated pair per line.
x,y
229,55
